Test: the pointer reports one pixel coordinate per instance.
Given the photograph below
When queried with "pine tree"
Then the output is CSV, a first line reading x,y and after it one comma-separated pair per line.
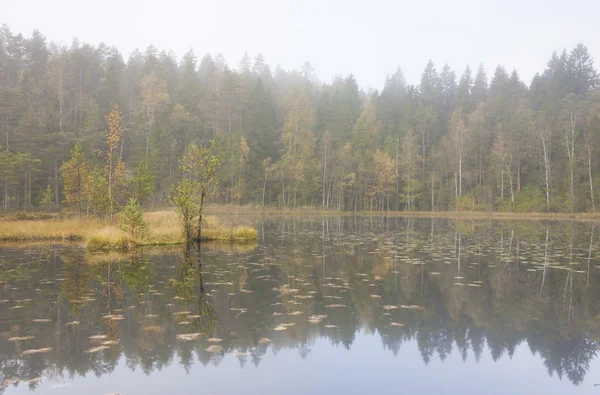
x,y
131,219
141,183
47,198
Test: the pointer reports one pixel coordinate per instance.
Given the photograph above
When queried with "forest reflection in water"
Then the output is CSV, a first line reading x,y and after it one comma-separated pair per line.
x,y
442,285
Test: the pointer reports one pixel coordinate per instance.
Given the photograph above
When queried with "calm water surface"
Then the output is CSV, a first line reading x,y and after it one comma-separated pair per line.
x,y
324,305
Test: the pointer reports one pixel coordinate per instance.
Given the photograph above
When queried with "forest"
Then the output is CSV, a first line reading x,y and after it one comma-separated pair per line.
x,y
475,140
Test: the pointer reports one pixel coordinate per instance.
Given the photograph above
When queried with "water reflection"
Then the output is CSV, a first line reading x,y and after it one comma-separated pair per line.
x,y
444,285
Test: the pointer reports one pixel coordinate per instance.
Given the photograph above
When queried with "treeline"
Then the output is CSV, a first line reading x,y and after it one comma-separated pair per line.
x,y
285,139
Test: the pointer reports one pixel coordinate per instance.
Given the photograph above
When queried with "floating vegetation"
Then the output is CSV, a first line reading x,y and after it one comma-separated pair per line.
x,y
110,343
214,348
188,336
331,326
335,306
98,337
96,349
396,324
295,313
317,319
412,307
41,320
72,323
280,328
264,340
181,312
215,340
20,339
37,351
114,317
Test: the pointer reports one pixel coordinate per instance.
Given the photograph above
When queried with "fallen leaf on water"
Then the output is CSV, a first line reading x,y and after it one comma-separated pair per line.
x,y
187,336
22,338
264,340
375,296
15,307
72,323
215,340
214,348
181,313
34,381
41,320
279,328
243,354
96,349
295,313
412,307
333,306
38,351
98,337
110,343
396,324
331,326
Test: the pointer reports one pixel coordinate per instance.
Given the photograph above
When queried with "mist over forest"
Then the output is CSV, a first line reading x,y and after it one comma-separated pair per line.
x,y
468,139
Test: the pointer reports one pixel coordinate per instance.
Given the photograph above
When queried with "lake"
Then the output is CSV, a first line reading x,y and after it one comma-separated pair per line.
x,y
349,305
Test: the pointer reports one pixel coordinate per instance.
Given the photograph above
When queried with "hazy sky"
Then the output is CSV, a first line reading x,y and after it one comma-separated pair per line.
x,y
367,38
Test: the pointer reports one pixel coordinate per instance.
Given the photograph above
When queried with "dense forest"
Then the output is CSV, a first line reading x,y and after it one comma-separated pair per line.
x,y
285,139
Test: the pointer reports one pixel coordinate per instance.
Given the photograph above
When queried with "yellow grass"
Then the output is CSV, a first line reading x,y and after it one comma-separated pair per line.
x,y
235,233
47,230
109,238
164,228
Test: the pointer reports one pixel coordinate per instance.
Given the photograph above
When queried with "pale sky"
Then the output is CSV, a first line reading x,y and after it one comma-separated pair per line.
x,y
370,39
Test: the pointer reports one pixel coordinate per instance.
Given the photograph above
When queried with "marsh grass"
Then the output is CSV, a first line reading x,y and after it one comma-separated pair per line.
x,y
47,230
109,238
164,228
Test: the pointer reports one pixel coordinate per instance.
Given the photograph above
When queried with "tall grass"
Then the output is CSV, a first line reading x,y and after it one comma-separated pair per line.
x,y
164,228
47,230
109,238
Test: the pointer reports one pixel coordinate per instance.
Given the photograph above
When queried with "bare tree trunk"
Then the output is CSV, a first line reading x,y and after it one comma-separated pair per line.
x,y
324,172
56,194
432,194
590,177
110,197
397,175
264,189
570,141
547,171
283,191
200,213
460,175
